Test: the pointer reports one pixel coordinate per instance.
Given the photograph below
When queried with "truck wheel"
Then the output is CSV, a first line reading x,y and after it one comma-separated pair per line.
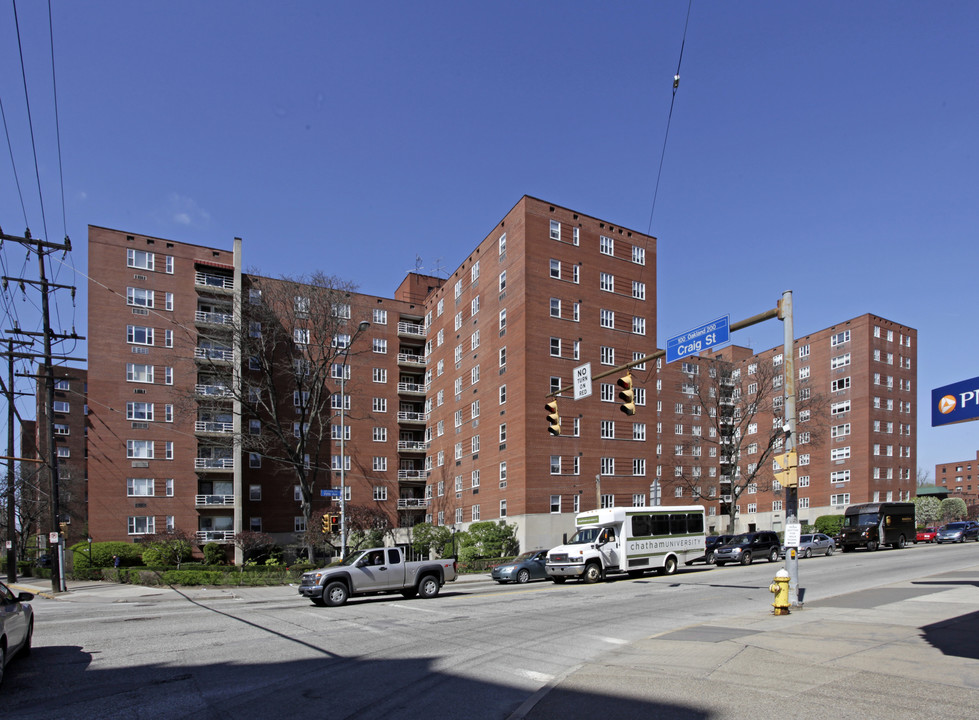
x,y
428,587
900,543
335,594
871,546
746,558
710,558
669,567
523,576
773,555
592,573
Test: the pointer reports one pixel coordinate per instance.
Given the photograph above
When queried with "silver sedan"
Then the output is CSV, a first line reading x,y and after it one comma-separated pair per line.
x,y
815,544
16,625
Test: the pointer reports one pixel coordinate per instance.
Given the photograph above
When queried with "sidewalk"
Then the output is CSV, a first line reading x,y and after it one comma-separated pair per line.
x,y
910,650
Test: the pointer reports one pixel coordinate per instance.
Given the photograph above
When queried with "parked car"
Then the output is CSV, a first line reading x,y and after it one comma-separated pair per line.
x,y
744,548
523,568
926,535
814,544
16,625
958,532
712,542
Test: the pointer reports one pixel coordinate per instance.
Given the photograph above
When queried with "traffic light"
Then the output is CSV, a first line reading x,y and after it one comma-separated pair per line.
x,y
627,395
553,419
335,524
326,523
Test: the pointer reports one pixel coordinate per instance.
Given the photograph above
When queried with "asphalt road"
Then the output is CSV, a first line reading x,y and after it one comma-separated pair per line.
x,y
477,651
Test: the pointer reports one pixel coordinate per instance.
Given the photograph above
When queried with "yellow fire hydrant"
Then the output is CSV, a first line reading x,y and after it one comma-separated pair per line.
x,y
780,586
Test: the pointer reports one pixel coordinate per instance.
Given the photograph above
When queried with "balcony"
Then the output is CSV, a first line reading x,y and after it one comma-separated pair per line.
x,y
412,474
214,464
214,391
212,500
210,281
205,427
218,355
409,359
412,417
412,388
412,446
412,503
406,329
212,318
217,536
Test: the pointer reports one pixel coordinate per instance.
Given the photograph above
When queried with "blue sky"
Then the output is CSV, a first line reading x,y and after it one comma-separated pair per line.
x,y
828,148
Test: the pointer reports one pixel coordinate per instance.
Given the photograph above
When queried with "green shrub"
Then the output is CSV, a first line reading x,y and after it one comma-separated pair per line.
x,y
102,552
829,524
213,554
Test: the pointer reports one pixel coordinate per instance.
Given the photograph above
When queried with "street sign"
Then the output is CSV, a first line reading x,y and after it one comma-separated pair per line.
x,y
955,403
582,381
699,339
330,493
784,466
793,532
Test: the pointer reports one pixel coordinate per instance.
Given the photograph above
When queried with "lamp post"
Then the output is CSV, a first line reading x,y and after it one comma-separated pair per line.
x,y
343,460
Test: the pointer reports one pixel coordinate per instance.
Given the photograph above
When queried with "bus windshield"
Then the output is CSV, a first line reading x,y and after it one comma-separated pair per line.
x,y
584,536
862,520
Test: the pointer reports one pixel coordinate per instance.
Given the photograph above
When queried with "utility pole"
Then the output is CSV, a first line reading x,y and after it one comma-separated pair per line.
x,y
11,494
791,489
43,247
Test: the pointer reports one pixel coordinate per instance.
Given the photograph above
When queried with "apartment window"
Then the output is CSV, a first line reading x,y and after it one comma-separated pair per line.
x,y
474,306
606,282
138,335
638,255
475,444
606,392
804,351
139,297
300,336
502,394
555,503
140,449
639,431
503,474
137,411
255,329
839,361
607,318
840,430
380,375
63,452
142,525
840,384
638,290
555,307
607,355
474,477
555,464
139,259
502,245
555,269
502,433
804,373
608,466
639,467
379,345
839,499
502,508
60,406
555,230
639,326
378,405
608,429
380,464
606,246
502,281
380,434
503,319
838,408
139,487
502,356
839,338
380,317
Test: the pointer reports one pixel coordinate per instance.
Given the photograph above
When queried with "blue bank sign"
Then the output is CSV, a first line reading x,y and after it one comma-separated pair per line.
x,y
955,403
699,339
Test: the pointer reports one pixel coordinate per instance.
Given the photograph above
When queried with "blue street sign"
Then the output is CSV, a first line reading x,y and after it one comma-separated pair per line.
x,y
330,493
955,403
699,339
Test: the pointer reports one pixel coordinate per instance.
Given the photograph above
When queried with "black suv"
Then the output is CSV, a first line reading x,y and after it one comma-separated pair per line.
x,y
747,546
711,543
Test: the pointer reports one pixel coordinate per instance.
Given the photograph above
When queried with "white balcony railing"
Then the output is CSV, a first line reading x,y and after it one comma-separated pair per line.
x,y
213,318
412,503
214,463
412,417
213,390
214,500
224,282
204,426
406,328
218,536
412,387
214,354
412,359
412,474
416,445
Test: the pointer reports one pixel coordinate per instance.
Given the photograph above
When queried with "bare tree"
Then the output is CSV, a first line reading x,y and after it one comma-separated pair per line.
x,y
741,429
294,335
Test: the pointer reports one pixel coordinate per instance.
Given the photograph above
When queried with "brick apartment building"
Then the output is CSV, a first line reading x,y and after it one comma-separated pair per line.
x,y
445,393
960,479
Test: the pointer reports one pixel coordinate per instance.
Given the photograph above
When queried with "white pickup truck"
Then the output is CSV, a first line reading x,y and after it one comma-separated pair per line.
x,y
376,571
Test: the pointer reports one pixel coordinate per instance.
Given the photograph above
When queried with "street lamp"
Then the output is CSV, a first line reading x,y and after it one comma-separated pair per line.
x,y
343,460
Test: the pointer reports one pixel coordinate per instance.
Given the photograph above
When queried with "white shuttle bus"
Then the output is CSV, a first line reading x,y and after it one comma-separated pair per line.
x,y
632,540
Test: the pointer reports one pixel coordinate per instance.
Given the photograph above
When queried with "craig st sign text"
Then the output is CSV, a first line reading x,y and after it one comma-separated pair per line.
x,y
699,339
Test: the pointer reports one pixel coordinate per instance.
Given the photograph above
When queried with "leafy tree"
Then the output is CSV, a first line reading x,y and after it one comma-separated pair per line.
x,y
254,545
487,540
829,524
428,539
167,548
213,554
927,509
952,509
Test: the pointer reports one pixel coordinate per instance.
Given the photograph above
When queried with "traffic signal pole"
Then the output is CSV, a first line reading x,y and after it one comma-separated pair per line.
x,y
791,490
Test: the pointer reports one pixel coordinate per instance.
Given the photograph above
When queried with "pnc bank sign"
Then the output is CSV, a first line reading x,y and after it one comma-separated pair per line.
x,y
955,403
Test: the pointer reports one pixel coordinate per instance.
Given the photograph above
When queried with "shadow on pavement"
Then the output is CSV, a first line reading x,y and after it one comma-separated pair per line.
x,y
955,636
